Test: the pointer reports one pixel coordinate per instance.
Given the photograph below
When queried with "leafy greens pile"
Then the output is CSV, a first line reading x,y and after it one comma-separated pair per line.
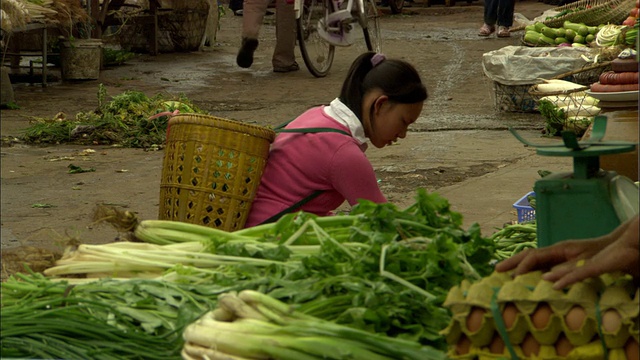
x,y
379,268
122,121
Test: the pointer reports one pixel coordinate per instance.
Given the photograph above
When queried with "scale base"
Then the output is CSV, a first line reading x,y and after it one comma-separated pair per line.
x,y
569,208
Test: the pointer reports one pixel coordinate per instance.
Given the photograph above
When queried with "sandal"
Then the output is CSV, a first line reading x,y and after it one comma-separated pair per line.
x,y
486,30
503,32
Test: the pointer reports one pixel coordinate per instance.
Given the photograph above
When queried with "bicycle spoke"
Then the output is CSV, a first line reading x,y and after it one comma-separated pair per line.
x,y
372,35
316,53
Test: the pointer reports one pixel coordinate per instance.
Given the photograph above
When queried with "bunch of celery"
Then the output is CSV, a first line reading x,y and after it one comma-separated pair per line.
x,y
378,269
251,325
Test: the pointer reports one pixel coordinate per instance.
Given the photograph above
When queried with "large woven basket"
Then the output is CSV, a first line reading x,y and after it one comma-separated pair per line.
x,y
211,170
591,12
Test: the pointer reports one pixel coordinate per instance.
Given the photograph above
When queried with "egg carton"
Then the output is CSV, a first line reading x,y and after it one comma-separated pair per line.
x,y
533,314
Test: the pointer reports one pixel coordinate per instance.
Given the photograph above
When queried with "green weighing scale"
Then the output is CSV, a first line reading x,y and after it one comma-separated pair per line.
x,y
588,202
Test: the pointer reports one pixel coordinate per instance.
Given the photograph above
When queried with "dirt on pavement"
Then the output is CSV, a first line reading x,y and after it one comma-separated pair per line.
x,y
459,136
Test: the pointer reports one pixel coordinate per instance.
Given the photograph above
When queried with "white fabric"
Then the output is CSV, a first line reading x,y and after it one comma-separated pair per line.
x,y
342,114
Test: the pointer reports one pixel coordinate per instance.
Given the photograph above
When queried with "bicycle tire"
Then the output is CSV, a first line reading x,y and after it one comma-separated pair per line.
x,y
316,52
371,26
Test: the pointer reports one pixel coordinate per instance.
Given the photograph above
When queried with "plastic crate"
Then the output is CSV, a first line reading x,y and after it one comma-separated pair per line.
x,y
525,211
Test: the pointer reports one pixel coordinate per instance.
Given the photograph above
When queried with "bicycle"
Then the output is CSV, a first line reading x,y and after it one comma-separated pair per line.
x,y
324,24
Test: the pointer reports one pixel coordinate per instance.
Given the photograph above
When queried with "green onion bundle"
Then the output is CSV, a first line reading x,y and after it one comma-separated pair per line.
x,y
251,325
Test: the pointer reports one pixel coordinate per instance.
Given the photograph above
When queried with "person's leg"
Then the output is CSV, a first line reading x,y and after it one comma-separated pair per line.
x,y
490,17
252,15
491,12
505,17
284,58
505,12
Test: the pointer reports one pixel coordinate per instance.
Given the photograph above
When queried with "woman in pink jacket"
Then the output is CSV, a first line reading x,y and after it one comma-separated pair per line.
x,y
318,160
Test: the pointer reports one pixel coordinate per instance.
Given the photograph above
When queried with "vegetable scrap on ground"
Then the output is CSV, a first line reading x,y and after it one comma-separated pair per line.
x,y
130,119
365,285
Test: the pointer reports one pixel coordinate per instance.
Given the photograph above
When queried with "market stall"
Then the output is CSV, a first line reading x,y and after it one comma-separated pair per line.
x,y
34,30
377,283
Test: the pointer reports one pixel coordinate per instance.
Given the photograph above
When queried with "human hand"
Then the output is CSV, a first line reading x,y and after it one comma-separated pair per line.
x,y
575,260
548,257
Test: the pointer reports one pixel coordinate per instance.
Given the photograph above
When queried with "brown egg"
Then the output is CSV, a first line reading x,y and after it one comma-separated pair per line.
x,y
497,344
530,345
563,346
611,321
631,349
463,346
540,318
509,315
575,317
475,318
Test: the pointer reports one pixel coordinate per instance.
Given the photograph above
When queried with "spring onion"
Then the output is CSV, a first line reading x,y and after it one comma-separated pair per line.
x,y
265,328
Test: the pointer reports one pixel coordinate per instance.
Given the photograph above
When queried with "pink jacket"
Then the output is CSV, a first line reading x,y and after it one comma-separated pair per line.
x,y
301,163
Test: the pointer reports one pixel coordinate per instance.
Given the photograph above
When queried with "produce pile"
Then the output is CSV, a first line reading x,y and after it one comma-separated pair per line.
x,y
525,318
570,34
379,270
565,106
622,77
15,14
252,325
125,120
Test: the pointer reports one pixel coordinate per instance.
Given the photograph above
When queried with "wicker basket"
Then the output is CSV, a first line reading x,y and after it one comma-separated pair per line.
x,y
513,98
185,27
553,123
211,170
587,75
591,12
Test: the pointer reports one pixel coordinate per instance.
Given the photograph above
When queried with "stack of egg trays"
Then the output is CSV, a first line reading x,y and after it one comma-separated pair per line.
x,y
526,292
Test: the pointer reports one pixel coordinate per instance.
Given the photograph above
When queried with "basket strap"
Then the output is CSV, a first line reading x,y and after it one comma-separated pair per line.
x,y
280,128
312,130
293,207
313,195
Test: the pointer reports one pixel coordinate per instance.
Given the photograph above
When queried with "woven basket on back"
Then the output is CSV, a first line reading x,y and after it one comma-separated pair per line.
x,y
591,12
211,170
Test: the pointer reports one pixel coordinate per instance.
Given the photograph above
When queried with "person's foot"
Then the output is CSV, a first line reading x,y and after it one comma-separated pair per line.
x,y
245,55
284,69
486,30
503,32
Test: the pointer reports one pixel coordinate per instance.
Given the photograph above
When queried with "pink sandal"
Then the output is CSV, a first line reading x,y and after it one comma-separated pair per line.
x,y
486,30
503,32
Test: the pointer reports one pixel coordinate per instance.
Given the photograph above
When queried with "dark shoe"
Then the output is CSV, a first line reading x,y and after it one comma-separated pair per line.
x,y
245,55
284,69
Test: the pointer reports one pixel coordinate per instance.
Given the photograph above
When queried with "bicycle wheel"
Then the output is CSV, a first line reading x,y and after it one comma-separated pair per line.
x,y
371,26
316,52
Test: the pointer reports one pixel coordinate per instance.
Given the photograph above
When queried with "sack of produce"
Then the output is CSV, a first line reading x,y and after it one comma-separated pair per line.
x,y
524,317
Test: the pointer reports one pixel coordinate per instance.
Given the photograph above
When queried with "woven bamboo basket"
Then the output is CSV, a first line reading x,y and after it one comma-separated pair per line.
x,y
591,12
211,170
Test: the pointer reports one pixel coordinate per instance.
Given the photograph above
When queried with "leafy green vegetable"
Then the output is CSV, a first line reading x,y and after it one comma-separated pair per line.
x,y
124,120
378,269
555,118
74,169
105,319
112,57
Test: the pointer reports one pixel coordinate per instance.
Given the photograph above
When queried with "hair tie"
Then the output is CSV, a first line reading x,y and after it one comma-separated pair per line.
x,y
377,59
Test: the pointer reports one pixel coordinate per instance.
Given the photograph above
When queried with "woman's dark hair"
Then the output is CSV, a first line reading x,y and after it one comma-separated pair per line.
x,y
397,79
